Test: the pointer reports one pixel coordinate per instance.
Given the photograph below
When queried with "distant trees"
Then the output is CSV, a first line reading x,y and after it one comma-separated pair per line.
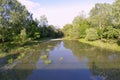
x,y
103,22
68,30
78,27
48,30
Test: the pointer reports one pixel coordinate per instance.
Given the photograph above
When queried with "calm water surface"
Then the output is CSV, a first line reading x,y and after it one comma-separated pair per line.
x,y
70,60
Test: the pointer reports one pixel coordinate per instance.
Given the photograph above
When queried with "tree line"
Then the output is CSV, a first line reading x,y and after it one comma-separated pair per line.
x,y
103,23
17,24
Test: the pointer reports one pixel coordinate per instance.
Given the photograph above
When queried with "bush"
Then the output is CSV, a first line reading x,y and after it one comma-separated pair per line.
x,y
10,61
91,34
23,36
110,32
100,33
118,41
36,35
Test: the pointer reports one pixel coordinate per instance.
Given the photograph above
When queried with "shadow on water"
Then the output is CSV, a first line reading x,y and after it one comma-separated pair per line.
x,y
79,62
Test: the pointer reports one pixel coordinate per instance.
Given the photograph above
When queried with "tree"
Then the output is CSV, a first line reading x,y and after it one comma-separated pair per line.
x,y
111,33
101,15
23,36
43,21
13,17
116,14
68,30
80,24
91,34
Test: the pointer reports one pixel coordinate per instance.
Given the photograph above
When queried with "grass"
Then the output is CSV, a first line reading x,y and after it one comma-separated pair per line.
x,y
106,44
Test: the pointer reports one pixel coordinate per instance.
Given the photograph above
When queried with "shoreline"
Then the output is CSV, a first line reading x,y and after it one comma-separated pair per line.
x,y
105,45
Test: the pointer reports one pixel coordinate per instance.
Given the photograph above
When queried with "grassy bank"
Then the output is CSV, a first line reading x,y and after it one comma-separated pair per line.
x,y
106,44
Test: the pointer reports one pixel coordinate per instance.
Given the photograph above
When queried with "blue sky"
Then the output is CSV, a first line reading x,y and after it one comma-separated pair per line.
x,y
60,12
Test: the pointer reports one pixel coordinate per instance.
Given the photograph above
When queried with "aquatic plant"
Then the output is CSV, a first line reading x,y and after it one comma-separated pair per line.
x,y
47,49
48,62
44,57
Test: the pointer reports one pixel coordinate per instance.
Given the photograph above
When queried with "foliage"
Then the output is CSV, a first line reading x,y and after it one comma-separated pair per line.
x,y
67,30
21,56
10,61
23,36
91,34
12,15
116,14
110,33
48,62
100,15
104,18
43,21
44,57
77,28
100,33
36,35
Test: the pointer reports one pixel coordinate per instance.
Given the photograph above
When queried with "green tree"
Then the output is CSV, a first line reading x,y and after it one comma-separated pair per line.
x,y
91,34
23,36
80,24
101,15
68,30
43,21
111,33
116,14
13,17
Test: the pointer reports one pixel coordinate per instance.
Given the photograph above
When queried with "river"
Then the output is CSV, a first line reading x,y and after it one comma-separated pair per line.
x,y
67,60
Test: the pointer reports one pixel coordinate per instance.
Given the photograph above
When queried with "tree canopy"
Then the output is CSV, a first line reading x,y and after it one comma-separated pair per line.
x,y
103,17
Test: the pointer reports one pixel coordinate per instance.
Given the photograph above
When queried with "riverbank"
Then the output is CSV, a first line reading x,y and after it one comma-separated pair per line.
x,y
110,44
18,52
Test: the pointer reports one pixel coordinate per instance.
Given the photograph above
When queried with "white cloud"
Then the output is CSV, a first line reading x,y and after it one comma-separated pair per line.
x,y
59,15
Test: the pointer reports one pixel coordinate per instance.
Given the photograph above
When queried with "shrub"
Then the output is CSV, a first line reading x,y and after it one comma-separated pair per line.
x,y
36,35
110,32
10,61
23,36
100,33
91,34
21,56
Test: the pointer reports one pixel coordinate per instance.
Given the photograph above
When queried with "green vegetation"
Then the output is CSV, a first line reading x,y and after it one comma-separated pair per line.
x,y
103,25
91,34
105,44
10,61
19,32
44,57
48,62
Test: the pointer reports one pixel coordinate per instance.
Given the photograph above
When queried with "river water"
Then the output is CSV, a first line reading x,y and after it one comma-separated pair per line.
x,y
69,60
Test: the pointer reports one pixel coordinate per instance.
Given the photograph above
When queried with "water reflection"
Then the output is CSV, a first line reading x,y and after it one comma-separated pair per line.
x,y
103,64
70,60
